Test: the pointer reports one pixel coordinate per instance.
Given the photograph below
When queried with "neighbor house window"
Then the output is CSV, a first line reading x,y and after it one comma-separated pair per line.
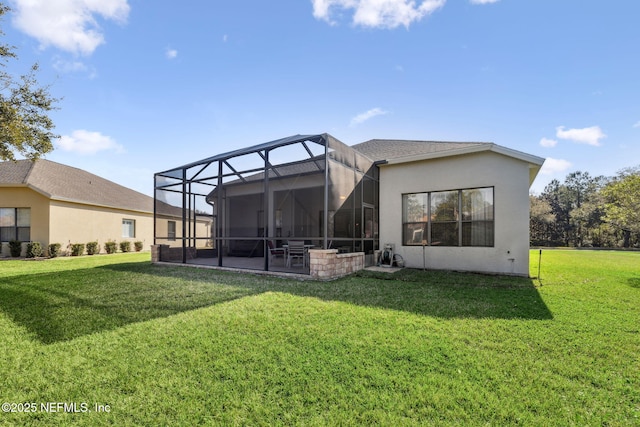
x,y
448,218
15,224
128,228
171,230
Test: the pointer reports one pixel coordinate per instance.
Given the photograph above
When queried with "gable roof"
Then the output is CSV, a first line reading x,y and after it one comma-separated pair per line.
x,y
65,183
393,151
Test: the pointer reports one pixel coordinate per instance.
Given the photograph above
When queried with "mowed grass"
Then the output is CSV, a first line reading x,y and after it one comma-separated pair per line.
x,y
184,346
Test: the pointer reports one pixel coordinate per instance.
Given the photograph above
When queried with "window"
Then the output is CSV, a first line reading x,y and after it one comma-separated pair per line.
x,y
128,228
448,218
415,215
15,224
477,217
171,230
444,218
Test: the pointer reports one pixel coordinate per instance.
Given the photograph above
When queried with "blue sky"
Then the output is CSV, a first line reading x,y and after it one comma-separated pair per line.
x,y
148,85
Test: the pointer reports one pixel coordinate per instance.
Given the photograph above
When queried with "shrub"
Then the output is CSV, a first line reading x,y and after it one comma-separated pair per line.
x,y
77,249
110,247
54,249
125,246
34,250
15,247
138,246
93,248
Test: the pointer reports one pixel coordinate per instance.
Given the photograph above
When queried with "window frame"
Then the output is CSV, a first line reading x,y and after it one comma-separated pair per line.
x,y
131,229
18,227
460,223
171,236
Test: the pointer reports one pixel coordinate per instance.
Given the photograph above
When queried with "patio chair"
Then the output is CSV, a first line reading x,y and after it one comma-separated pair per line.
x,y
275,252
296,250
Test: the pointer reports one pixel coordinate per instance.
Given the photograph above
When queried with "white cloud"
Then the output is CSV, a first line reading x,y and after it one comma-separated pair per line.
x,y
69,25
590,136
363,117
65,66
377,13
86,142
546,142
171,53
225,38
483,1
552,166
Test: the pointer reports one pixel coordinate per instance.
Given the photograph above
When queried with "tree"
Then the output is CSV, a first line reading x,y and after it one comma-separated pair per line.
x,y
541,221
25,127
623,203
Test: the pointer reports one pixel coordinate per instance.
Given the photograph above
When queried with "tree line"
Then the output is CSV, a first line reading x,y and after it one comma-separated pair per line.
x,y
587,211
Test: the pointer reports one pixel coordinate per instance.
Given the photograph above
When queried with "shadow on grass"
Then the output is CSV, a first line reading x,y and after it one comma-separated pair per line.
x,y
66,305
634,282
63,306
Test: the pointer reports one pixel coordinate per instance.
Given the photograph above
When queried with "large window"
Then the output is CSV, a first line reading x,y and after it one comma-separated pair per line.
x,y
15,224
448,218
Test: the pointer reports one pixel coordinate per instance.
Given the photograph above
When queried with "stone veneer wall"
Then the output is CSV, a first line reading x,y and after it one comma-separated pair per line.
x,y
329,264
169,254
324,264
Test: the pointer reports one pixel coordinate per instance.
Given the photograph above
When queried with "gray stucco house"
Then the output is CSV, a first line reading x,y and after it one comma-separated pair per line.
x,y
438,205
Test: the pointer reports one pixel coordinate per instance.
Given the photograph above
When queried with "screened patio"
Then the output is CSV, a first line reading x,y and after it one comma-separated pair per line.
x,y
267,206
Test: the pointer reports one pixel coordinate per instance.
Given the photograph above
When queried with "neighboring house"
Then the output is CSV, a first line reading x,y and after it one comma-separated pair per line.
x,y
49,202
439,205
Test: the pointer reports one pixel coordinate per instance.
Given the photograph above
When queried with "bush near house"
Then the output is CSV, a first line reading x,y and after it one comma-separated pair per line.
x,y
125,246
77,249
15,248
138,246
93,248
54,250
111,247
34,250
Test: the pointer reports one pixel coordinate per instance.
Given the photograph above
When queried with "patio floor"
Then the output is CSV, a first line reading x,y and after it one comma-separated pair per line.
x,y
250,263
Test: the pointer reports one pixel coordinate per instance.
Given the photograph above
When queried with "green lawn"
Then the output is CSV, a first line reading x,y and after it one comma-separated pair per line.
x,y
184,346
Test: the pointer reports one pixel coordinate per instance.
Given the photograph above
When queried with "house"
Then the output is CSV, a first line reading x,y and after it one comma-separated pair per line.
x,y
48,202
436,205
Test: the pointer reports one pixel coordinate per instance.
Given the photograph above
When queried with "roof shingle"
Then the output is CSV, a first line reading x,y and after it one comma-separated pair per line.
x,y
62,182
387,149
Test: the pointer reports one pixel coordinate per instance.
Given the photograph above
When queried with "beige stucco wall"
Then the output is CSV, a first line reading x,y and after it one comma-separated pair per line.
x,y
79,223
24,197
509,177
203,232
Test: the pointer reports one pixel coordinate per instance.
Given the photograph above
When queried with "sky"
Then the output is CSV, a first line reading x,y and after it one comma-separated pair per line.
x,y
148,85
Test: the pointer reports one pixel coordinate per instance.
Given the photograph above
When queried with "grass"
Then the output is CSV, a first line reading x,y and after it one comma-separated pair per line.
x,y
182,346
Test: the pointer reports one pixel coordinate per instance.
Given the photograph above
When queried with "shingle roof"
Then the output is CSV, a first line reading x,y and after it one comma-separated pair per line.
x,y
61,182
387,149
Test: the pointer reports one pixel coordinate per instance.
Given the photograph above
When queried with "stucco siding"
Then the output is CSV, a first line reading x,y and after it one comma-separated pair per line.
x,y
78,223
24,197
510,179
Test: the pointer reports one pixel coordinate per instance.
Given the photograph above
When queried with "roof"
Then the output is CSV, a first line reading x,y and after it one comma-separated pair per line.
x,y
393,151
60,182
380,151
